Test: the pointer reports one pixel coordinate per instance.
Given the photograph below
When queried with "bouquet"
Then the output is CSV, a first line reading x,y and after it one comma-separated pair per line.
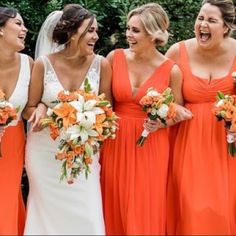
x,y
82,120
225,109
7,113
158,106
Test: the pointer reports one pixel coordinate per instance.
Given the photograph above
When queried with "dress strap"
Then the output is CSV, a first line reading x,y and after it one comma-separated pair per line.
x,y
184,59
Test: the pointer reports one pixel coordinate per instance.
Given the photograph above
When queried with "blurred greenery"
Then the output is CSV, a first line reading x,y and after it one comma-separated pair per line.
x,y
111,15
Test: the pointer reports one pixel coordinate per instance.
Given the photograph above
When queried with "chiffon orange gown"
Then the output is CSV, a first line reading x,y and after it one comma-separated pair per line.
x,y
134,178
201,196
12,212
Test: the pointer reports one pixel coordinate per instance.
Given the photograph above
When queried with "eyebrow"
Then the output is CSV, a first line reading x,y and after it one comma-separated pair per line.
x,y
19,20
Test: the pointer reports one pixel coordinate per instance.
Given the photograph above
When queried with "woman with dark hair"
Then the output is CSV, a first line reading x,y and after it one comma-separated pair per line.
x,y
55,207
202,178
15,77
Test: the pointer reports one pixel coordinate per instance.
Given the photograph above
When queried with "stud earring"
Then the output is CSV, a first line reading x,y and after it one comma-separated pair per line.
x,y
1,33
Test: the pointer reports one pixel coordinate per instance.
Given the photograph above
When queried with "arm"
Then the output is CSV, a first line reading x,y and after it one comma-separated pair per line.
x,y
105,82
30,112
173,53
182,113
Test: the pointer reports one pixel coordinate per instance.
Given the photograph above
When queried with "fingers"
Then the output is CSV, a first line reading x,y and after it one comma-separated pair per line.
x,y
152,125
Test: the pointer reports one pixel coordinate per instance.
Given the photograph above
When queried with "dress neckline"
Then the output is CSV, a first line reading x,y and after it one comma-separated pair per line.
x,y
205,80
57,78
18,79
147,80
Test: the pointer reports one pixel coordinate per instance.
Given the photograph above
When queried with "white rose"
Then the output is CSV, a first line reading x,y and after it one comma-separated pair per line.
x,y
234,74
49,112
162,111
153,93
220,103
5,104
230,138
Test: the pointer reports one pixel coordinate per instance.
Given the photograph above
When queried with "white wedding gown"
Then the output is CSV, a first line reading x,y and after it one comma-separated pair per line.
x,y
56,207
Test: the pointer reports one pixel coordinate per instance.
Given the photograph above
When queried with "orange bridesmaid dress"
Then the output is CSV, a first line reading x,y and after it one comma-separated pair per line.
x,y
134,178
12,210
201,196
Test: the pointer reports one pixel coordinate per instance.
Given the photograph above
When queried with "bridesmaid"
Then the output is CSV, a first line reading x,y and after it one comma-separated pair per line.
x,y
15,76
203,175
134,178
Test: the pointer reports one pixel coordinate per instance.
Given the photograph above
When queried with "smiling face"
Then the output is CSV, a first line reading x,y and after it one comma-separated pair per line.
x,y
13,33
86,36
137,36
209,26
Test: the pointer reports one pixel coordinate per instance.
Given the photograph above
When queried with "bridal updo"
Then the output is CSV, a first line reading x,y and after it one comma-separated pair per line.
x,y
155,21
72,17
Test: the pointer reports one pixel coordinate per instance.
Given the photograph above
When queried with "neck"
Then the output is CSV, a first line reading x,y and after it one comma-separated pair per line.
x,y
7,57
73,57
145,56
213,51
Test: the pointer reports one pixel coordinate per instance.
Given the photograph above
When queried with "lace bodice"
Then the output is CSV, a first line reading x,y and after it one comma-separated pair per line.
x,y
52,85
19,97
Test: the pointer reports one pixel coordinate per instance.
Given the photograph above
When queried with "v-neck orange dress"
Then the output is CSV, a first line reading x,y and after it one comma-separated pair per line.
x,y
134,178
203,176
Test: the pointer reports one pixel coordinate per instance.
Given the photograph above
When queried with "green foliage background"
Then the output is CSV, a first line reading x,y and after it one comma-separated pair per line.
x,y
111,15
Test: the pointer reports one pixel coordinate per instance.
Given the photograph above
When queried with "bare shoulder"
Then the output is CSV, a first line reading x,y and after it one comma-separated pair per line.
x,y
104,62
38,67
173,52
232,44
110,57
31,61
176,72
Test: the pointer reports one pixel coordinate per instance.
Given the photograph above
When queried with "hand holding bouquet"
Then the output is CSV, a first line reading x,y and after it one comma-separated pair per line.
x,y
158,106
82,120
225,109
7,113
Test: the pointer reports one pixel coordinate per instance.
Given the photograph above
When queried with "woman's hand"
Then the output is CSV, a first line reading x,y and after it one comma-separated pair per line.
x,y
182,113
38,114
152,125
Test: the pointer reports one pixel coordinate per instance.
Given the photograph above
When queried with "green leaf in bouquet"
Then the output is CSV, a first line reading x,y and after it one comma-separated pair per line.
x,y
18,109
103,103
152,117
88,150
220,95
87,86
169,99
232,149
167,92
63,171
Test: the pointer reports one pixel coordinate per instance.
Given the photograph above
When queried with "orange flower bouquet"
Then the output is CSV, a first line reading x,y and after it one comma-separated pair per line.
x,y
225,109
82,120
158,106
8,113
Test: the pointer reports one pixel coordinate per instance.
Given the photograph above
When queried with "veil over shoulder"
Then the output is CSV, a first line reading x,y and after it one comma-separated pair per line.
x,y
45,44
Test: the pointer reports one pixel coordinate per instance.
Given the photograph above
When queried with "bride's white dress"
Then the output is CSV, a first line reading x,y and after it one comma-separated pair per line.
x,y
56,207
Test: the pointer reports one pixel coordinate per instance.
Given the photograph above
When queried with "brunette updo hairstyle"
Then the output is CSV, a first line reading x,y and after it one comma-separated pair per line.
x,y
227,10
71,19
6,13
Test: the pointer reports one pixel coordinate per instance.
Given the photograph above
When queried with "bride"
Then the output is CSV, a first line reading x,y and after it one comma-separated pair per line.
x,y
55,207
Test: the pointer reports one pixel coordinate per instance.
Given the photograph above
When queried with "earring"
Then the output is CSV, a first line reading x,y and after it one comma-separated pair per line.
x,y
72,38
1,33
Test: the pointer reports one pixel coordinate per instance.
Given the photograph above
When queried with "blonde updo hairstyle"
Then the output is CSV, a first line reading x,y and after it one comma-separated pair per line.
x,y
155,21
